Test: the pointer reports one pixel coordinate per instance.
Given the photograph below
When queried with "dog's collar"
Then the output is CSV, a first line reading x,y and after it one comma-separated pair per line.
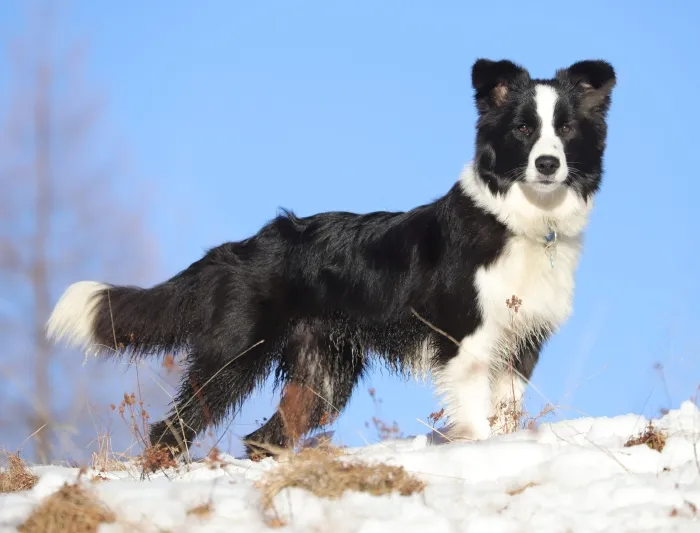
x,y
550,245
548,242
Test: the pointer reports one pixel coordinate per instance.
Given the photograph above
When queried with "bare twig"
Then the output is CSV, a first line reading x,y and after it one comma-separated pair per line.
x,y
435,430
30,436
111,319
432,326
324,399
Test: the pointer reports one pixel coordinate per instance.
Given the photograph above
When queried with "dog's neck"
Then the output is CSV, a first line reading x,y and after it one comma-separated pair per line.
x,y
562,213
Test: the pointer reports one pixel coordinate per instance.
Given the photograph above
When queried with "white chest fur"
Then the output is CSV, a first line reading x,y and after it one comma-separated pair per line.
x,y
522,292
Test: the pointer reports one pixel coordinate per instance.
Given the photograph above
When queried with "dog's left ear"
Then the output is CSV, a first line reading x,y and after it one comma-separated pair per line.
x,y
595,79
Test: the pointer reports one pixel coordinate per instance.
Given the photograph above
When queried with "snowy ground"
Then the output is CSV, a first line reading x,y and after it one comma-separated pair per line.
x,y
573,476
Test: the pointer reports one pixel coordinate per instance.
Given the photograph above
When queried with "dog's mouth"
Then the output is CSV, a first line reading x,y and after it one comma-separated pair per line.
x,y
544,184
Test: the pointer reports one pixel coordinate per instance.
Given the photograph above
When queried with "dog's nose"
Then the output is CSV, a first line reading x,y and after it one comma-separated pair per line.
x,y
547,164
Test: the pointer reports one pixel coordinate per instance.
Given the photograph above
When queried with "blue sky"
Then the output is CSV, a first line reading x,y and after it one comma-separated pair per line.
x,y
232,110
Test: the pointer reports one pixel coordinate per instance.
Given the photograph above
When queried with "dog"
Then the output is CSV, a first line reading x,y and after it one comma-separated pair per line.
x,y
468,287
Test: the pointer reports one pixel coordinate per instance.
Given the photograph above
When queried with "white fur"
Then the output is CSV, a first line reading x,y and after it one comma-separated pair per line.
x,y
508,388
465,384
73,318
529,212
548,142
422,361
523,270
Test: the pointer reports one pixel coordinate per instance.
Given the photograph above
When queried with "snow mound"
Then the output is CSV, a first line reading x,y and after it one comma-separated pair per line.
x,y
572,476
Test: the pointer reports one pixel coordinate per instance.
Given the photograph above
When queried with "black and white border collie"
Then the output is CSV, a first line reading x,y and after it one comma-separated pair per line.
x,y
468,287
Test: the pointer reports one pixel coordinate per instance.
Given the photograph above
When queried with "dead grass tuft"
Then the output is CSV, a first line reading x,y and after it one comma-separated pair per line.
x,y
319,471
16,476
203,510
275,522
651,436
520,490
70,510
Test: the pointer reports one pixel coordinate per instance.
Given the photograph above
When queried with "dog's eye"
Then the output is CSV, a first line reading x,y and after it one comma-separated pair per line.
x,y
566,128
524,129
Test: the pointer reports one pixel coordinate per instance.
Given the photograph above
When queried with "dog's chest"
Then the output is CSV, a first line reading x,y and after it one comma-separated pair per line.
x,y
529,287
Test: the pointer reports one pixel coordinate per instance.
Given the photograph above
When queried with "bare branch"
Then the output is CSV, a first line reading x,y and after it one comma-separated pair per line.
x,y
58,220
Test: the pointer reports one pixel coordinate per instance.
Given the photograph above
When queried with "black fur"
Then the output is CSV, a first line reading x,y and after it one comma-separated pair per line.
x,y
328,292
341,282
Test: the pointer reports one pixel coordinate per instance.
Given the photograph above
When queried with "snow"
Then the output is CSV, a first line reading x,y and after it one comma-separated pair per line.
x,y
572,476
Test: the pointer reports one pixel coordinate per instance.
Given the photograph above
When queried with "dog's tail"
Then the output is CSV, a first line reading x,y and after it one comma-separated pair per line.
x,y
113,320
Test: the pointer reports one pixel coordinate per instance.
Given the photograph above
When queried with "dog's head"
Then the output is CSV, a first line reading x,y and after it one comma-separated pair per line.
x,y
546,135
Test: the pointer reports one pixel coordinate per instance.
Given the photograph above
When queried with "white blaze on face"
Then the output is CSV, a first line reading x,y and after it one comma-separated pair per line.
x,y
548,143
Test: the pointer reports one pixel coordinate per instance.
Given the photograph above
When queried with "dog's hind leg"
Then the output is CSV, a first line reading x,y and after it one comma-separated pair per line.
x,y
321,376
209,390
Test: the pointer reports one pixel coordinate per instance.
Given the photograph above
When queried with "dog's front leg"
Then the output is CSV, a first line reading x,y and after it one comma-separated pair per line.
x,y
465,382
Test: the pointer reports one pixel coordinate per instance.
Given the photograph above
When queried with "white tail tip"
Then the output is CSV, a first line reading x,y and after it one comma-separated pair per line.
x,y
73,318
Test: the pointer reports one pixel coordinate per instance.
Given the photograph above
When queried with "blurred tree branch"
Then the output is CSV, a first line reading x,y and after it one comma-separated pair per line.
x,y
61,220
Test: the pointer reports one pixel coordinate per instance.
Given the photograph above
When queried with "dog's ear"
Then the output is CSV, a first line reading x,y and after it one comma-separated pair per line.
x,y
595,79
493,82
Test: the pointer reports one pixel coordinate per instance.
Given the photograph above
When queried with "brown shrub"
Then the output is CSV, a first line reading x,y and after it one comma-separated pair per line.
x,y
155,458
651,436
70,510
16,476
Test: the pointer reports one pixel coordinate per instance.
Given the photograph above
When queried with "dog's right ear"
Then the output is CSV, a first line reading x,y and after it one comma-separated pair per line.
x,y
494,80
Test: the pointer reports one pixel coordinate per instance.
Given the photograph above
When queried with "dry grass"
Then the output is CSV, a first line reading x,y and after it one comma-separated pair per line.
x,y
511,417
105,459
16,476
520,490
508,417
385,431
532,422
70,510
318,470
651,436
204,510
